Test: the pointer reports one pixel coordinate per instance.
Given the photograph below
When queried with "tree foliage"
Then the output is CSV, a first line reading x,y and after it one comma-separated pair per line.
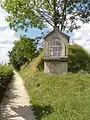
x,y
23,51
79,59
36,13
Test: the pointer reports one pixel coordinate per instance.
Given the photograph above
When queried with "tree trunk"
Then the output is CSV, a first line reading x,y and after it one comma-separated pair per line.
x,y
55,13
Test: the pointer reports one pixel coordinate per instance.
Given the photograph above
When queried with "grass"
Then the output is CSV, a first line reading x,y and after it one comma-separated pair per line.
x,y
57,97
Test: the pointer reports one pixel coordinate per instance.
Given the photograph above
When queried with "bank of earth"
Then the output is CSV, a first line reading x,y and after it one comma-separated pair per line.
x,y
57,97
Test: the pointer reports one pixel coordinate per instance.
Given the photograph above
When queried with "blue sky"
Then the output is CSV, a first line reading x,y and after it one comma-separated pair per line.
x,y
7,36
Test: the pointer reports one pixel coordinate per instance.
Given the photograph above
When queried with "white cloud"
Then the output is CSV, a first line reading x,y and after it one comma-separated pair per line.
x,y
4,52
3,16
82,36
7,37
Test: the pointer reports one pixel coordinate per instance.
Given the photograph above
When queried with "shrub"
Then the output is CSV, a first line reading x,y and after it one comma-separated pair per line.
x,y
78,59
6,73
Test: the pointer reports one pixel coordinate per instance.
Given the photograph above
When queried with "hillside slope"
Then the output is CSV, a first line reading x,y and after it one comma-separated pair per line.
x,y
57,97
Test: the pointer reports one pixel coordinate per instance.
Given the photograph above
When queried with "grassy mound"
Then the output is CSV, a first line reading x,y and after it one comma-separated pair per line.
x,y
57,97
5,76
79,58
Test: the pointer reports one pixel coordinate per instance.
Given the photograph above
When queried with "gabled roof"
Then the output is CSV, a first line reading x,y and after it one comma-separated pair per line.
x,y
59,32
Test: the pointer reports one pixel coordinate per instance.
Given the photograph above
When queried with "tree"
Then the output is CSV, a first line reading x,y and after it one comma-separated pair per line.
x,y
36,13
23,51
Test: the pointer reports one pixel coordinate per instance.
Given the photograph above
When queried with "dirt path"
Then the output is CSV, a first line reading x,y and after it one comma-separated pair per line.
x,y
15,105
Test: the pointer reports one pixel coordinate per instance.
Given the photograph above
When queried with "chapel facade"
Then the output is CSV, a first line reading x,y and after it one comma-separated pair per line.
x,y
56,52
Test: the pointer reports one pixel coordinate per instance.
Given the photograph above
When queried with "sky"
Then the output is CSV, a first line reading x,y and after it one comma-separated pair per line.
x,y
7,36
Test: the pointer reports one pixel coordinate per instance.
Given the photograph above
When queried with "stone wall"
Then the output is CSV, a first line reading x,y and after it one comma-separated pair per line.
x,y
55,66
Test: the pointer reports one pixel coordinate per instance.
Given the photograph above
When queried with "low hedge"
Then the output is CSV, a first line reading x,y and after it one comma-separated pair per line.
x,y
78,59
6,73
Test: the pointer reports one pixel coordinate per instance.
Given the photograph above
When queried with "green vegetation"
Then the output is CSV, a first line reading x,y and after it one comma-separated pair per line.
x,y
57,97
36,13
23,51
6,73
79,59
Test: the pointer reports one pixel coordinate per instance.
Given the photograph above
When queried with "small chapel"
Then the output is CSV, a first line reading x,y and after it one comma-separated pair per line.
x,y
56,52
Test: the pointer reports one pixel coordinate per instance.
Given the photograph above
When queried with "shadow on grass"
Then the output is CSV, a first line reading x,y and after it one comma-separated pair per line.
x,y
42,111
9,93
3,88
2,91
27,112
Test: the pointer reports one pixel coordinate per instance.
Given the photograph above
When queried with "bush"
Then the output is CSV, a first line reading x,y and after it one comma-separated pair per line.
x,y
6,73
78,59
